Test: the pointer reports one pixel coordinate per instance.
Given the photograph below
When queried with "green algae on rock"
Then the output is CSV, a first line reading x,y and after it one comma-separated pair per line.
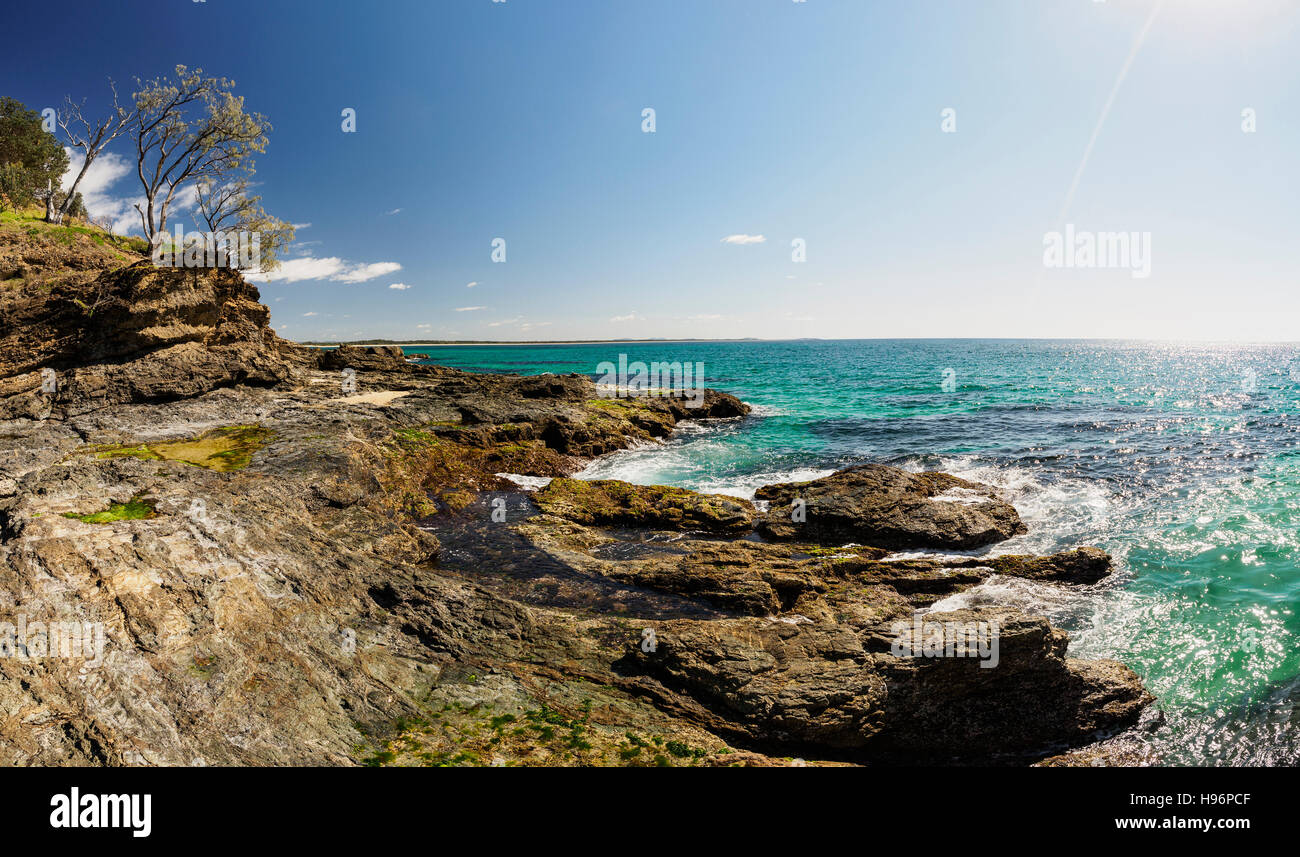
x,y
222,449
609,501
137,509
511,736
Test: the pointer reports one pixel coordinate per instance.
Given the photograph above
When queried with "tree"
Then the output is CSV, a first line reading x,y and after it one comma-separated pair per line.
x,y
105,223
189,130
229,208
34,160
91,137
14,190
224,206
75,206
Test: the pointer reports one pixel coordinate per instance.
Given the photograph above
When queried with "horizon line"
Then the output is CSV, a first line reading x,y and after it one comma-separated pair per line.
x,y
427,343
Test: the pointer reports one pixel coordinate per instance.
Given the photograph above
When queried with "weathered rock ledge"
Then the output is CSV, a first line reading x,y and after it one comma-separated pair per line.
x,y
307,557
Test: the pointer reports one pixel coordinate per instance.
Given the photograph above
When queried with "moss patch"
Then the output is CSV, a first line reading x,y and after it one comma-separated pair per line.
x,y
634,417
138,509
459,736
840,554
222,449
452,465
412,440
611,405
612,502
456,500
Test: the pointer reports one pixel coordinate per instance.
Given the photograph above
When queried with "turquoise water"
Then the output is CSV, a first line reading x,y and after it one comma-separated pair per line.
x,y
1181,460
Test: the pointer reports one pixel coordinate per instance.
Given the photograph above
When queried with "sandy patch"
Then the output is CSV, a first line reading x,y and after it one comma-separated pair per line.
x,y
384,397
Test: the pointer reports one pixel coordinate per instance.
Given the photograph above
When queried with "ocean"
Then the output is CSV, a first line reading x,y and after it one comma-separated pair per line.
x,y
1179,459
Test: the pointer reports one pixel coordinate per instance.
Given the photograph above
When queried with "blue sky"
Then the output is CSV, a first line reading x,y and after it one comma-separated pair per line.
x,y
818,120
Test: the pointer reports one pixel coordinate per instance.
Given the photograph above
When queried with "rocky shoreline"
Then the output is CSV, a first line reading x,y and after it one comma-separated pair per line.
x,y
310,557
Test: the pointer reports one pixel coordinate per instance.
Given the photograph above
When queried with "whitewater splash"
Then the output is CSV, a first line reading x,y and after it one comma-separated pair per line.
x,y
694,455
1061,514
528,483
666,466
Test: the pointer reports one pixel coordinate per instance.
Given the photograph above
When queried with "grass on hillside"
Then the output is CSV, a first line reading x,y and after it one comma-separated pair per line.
x,y
32,221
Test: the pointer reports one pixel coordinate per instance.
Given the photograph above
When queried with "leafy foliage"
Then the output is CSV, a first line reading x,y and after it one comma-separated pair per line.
x,y
32,162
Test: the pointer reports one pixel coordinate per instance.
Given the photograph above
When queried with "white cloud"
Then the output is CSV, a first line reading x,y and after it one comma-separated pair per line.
x,y
707,317
303,268
107,169
629,317
469,308
324,268
394,211
401,287
742,238
301,225
94,189
471,285
361,273
516,320
308,314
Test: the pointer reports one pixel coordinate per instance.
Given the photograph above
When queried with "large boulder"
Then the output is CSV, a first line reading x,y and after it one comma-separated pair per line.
x,y
362,357
890,508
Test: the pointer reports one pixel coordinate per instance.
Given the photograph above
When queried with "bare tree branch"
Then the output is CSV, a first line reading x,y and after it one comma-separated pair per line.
x,y
91,136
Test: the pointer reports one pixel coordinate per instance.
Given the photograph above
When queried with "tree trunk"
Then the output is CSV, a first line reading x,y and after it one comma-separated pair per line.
x,y
72,191
51,216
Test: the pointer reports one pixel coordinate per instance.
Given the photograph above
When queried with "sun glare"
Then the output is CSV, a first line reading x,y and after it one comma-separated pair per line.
x,y
1228,17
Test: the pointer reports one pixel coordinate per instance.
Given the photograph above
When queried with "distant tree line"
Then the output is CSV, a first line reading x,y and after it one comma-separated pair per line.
x,y
193,145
